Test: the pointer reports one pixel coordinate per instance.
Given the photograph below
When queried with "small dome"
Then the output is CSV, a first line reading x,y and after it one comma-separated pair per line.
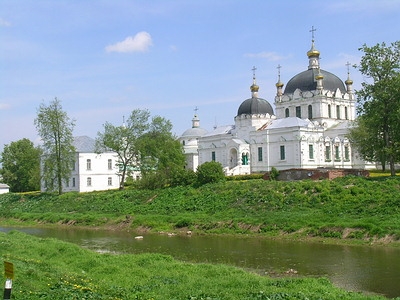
x,y
194,132
349,81
255,106
306,81
254,88
313,52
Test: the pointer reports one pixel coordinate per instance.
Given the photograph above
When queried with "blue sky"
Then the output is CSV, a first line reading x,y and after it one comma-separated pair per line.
x,y
104,58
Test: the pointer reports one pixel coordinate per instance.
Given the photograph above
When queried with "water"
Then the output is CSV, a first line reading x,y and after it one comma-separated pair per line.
x,y
354,268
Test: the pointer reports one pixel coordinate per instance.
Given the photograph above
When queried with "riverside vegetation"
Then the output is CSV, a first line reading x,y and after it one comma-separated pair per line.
x,y
350,208
51,269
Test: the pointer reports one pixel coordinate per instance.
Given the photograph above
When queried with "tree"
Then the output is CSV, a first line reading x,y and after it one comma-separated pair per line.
x,y
21,166
123,140
210,172
55,129
376,134
161,154
149,146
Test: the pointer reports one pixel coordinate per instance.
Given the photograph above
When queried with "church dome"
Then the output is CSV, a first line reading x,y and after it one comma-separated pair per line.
x,y
306,81
255,105
194,132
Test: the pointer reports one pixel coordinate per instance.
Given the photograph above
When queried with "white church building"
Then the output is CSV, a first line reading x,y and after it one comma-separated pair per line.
x,y
307,129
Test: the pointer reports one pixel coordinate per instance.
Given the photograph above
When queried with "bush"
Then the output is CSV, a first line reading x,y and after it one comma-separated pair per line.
x,y
210,172
183,177
273,175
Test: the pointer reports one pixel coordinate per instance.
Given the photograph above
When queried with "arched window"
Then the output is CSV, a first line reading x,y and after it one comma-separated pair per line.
x,y
337,112
346,114
245,159
310,116
298,111
88,164
329,111
287,113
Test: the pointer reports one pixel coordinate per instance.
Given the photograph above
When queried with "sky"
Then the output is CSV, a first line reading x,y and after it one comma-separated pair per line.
x,y
104,58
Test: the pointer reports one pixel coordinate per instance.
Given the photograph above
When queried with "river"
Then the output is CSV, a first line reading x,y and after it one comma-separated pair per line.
x,y
354,268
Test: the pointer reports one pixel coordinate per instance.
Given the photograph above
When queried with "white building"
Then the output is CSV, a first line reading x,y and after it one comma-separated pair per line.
x,y
91,171
308,130
4,188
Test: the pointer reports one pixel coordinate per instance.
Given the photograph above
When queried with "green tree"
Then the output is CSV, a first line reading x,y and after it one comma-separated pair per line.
x,y
161,154
376,134
21,166
55,129
149,146
123,140
210,172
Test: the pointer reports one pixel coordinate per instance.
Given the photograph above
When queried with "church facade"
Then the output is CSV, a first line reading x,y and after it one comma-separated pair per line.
x,y
307,130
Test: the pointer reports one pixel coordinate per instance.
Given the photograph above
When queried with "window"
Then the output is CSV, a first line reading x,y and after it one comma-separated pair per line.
x,y
245,159
328,153
329,111
282,150
110,164
346,114
337,112
73,182
298,111
89,181
310,112
88,164
311,151
109,180
260,154
346,153
287,113
213,156
73,166
67,182
337,156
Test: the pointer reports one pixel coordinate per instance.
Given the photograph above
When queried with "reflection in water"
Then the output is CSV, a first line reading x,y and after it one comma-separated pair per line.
x,y
357,268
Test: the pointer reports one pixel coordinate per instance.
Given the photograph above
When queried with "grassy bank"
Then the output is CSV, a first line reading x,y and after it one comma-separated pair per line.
x,y
344,208
51,269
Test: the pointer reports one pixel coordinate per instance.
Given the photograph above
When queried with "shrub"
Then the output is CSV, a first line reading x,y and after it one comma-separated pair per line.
x,y
183,177
273,174
210,172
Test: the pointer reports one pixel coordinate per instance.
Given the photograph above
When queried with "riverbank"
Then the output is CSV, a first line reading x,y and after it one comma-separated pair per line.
x,y
346,210
46,268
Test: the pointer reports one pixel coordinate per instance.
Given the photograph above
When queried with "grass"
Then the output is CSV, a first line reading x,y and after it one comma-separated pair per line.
x,y
51,269
371,207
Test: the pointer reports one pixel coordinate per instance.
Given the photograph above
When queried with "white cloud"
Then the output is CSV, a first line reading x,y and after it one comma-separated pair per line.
x,y
138,43
271,56
4,23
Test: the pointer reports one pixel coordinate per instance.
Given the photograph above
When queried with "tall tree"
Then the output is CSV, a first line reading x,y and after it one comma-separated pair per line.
x,y
144,144
56,131
161,154
123,140
21,166
377,131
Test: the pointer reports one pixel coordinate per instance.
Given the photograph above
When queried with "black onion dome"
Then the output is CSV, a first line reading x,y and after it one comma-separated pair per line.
x,y
305,81
255,105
